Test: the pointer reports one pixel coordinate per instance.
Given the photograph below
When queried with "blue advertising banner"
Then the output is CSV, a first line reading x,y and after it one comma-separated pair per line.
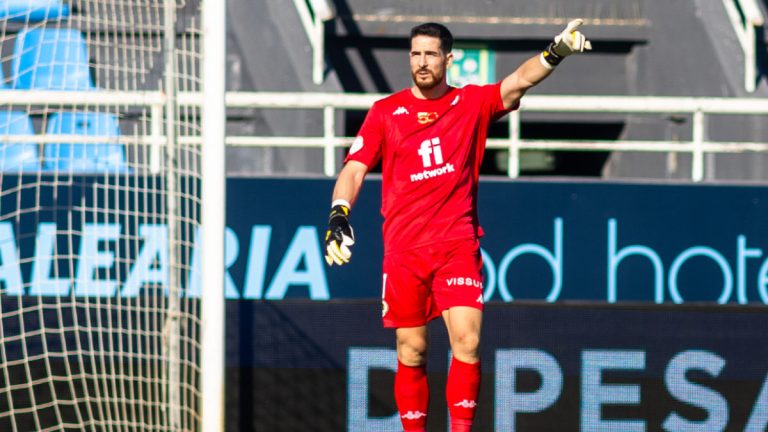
x,y
545,241
302,365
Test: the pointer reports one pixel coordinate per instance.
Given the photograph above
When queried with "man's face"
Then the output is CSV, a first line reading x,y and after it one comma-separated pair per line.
x,y
428,62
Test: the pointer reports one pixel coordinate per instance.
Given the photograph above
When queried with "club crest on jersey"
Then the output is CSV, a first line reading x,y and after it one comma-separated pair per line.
x,y
426,117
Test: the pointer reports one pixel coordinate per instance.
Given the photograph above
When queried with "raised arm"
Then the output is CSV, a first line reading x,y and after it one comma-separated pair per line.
x,y
535,69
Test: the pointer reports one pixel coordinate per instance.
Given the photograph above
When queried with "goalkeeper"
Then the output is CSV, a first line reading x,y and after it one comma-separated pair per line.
x,y
430,139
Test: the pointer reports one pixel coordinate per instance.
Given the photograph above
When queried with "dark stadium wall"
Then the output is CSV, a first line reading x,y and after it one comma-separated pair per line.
x,y
642,48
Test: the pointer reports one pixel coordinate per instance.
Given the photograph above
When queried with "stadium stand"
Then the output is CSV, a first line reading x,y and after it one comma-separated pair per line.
x,y
32,10
88,157
51,59
57,59
15,156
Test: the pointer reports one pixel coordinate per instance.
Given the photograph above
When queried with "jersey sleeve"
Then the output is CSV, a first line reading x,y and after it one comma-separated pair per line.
x,y
367,146
493,106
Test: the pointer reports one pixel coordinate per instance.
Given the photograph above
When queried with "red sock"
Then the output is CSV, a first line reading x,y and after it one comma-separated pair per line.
x,y
412,396
461,393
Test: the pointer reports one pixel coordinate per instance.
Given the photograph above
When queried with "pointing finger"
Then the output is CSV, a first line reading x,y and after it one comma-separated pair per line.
x,y
574,25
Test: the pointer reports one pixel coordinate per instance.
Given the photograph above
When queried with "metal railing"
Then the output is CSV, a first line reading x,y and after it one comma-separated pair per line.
x,y
745,24
313,14
698,108
330,103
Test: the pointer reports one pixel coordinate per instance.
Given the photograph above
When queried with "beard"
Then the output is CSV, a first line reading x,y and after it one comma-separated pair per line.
x,y
426,83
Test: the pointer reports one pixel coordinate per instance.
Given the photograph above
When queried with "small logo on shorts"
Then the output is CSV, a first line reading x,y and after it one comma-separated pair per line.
x,y
479,299
467,281
384,308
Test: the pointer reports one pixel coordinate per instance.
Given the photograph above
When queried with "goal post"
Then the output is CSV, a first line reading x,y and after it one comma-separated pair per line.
x,y
111,214
214,214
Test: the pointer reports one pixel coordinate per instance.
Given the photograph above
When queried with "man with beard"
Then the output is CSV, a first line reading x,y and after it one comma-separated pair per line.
x,y
430,139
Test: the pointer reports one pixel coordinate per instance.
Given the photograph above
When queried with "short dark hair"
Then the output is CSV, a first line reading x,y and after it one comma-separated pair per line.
x,y
435,30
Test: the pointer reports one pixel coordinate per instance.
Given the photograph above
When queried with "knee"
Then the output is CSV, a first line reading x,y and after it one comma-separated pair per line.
x,y
412,351
465,346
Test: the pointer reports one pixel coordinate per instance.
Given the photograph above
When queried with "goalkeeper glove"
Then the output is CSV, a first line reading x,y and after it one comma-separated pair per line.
x,y
339,236
569,41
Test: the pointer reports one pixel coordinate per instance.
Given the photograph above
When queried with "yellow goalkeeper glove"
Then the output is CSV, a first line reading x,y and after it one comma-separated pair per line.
x,y
569,41
339,236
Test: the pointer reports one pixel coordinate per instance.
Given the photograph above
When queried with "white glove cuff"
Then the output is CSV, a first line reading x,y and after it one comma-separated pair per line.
x,y
544,62
340,201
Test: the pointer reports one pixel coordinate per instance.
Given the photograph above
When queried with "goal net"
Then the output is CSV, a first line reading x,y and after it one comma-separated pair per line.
x,y
99,215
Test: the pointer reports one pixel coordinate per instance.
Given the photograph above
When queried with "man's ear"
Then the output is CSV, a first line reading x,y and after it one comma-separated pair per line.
x,y
448,60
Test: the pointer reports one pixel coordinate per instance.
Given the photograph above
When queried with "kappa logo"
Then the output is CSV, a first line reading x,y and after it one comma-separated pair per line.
x,y
400,110
479,299
413,415
357,145
466,404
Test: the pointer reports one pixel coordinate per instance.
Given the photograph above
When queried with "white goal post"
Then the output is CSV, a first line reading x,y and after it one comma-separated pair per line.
x,y
112,208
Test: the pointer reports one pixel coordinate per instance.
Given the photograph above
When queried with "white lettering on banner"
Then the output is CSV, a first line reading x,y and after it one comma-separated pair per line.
x,y
509,401
596,392
303,247
231,252
758,420
712,402
360,362
151,266
553,258
300,265
43,284
256,273
91,259
616,256
10,271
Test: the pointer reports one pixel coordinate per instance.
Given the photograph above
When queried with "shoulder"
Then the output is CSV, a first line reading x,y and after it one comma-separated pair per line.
x,y
393,100
482,90
385,108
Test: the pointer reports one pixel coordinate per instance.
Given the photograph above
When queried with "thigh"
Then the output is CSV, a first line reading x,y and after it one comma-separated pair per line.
x,y
459,280
407,299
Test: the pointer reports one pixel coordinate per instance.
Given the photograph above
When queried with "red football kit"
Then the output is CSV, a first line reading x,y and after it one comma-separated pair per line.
x,y
431,151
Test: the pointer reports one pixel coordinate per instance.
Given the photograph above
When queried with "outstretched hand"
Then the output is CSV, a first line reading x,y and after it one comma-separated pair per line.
x,y
571,40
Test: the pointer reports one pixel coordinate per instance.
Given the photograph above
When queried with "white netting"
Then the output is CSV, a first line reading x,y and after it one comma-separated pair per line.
x,y
99,213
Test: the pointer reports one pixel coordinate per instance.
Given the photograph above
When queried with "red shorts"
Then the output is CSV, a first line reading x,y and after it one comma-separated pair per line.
x,y
420,283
